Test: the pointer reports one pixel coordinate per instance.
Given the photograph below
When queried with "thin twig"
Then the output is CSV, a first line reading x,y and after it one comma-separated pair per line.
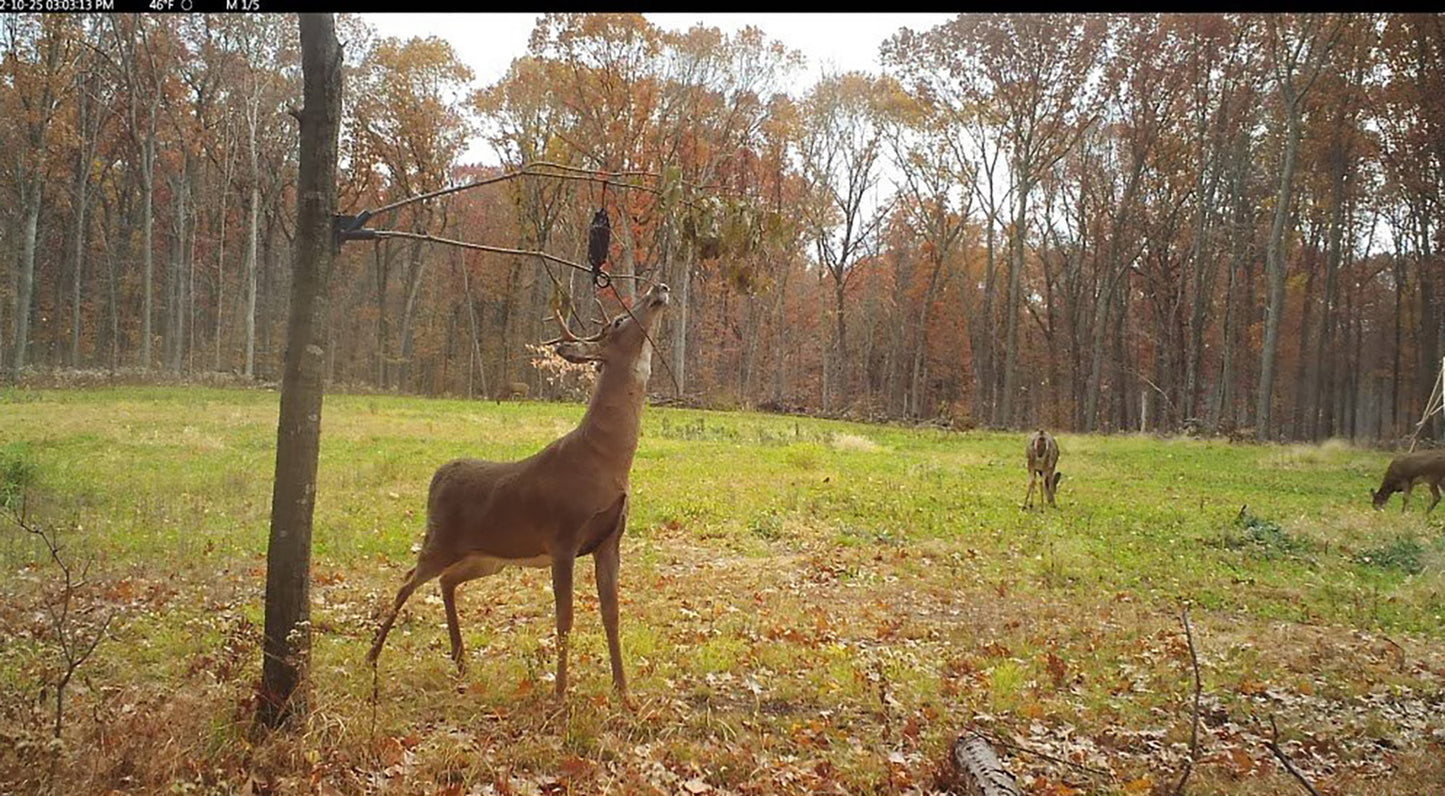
x,y
1273,745
1194,719
75,652
375,697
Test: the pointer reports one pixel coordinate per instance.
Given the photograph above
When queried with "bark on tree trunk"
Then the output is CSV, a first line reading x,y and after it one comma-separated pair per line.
x,y
1011,308
683,286
287,642
1427,341
76,273
1275,268
840,342
255,221
985,405
475,323
26,282
148,222
416,273
221,255
85,113
1321,421
1304,401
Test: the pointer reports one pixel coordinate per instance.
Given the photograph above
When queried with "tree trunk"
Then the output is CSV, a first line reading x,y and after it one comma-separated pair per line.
x,y
679,321
176,311
112,283
250,269
1123,385
1304,401
985,404
77,274
1011,305
85,112
840,340
1275,270
221,253
1427,335
287,644
475,323
628,267
148,224
1102,300
1401,283
32,197
780,386
415,275
1205,265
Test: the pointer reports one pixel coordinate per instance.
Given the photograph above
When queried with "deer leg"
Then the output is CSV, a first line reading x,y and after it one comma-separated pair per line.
x,y
454,576
562,592
608,560
1434,496
1029,499
1049,487
1405,498
424,571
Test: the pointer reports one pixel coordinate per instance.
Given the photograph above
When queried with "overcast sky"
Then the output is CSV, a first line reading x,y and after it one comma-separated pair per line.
x,y
487,42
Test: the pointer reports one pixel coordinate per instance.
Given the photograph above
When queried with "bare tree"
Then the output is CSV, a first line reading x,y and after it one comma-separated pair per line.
x,y
841,153
43,53
1299,46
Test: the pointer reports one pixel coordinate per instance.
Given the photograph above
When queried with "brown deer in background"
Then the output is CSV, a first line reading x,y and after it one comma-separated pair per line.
x,y
1405,470
567,500
1043,453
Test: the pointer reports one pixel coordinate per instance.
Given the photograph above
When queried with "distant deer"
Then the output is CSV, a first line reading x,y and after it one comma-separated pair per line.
x,y
1043,453
1405,470
565,501
517,390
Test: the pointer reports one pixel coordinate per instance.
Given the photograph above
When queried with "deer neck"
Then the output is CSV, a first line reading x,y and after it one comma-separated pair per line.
x,y
614,415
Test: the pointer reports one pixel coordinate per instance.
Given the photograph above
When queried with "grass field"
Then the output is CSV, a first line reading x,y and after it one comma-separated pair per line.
x,y
807,606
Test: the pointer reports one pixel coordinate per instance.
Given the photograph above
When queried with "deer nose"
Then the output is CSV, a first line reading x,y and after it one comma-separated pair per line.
x,y
660,293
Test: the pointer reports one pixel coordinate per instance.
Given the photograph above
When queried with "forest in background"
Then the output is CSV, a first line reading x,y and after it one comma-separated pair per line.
x,y
1090,222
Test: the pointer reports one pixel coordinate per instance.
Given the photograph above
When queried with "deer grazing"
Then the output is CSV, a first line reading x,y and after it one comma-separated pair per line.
x,y
565,501
1404,471
1043,453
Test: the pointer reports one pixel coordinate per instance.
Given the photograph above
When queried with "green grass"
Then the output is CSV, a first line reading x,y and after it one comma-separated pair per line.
x,y
805,603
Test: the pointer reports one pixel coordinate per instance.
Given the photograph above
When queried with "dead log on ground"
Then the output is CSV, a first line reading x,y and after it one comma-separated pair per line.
x,y
979,770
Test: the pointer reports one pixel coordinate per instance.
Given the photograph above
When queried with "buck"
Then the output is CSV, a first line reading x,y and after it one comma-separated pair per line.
x,y
1043,453
567,500
1405,470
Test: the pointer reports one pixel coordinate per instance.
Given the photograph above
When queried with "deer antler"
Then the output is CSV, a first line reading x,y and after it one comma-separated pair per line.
x,y
567,335
606,319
